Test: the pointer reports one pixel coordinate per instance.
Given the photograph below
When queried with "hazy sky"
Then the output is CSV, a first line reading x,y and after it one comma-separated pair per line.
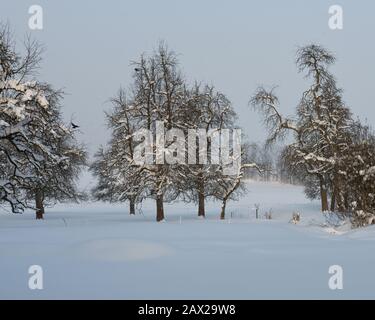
x,y
235,45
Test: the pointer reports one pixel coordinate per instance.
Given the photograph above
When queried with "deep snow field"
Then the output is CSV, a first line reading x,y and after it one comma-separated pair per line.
x,y
98,251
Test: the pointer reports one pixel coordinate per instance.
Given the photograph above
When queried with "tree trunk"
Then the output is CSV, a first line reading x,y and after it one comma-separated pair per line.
x,y
333,199
201,205
346,201
39,204
342,203
339,199
159,208
323,195
132,207
222,214
201,200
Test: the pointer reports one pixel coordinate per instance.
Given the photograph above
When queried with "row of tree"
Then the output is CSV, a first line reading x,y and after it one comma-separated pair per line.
x,y
40,159
159,93
331,153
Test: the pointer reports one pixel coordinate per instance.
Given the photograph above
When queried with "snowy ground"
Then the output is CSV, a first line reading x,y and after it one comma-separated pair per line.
x,y
97,251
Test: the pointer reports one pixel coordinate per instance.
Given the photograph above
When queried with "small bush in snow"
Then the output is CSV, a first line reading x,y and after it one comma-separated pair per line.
x,y
296,217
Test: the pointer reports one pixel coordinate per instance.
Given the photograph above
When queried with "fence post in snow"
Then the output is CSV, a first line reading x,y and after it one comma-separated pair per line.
x,y
257,210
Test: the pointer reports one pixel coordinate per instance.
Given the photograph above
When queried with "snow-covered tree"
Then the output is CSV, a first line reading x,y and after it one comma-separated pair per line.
x,y
67,158
208,111
356,198
159,96
119,177
231,186
321,124
37,156
135,166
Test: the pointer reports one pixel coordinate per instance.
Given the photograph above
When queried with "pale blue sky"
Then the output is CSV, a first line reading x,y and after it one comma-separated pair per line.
x,y
235,45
